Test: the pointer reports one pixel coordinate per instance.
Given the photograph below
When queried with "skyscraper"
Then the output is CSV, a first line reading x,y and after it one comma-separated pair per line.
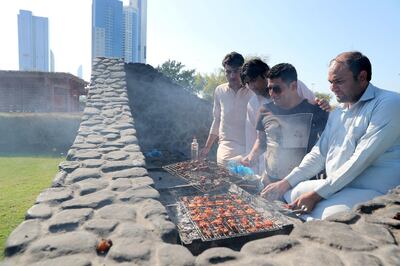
x,y
131,34
33,42
121,28
107,28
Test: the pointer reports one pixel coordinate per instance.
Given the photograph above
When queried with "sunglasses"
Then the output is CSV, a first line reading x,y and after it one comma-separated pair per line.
x,y
275,89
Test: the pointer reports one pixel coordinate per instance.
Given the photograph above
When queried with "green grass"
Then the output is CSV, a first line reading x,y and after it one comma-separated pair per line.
x,y
21,181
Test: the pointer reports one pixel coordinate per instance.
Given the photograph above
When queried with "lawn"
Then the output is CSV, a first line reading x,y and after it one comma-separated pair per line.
x,y
21,181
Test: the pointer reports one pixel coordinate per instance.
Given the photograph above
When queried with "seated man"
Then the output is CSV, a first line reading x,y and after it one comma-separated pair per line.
x,y
254,76
360,147
289,125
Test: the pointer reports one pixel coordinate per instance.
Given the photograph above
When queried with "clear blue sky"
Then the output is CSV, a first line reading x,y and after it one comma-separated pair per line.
x,y
306,33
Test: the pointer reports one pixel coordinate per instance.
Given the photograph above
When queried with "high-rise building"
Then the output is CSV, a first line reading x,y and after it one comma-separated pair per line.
x,y
33,42
142,8
107,28
52,61
79,72
121,28
131,34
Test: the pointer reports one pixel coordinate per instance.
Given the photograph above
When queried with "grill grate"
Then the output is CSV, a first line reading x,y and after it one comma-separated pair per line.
x,y
203,174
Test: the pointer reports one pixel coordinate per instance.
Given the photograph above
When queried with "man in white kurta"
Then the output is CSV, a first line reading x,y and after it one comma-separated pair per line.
x,y
229,113
360,147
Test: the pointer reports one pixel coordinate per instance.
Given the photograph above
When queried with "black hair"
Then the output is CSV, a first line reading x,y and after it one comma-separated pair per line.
x,y
252,69
285,71
356,62
233,59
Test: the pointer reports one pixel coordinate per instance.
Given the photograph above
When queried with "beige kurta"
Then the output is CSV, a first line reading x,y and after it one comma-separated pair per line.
x,y
229,113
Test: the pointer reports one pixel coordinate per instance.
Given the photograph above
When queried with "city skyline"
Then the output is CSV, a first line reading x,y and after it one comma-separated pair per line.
x,y
118,30
307,34
33,42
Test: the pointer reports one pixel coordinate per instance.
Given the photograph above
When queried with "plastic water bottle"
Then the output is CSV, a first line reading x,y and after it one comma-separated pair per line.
x,y
194,150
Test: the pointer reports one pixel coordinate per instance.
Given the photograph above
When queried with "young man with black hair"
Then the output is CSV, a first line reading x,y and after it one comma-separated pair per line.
x,y
229,113
287,127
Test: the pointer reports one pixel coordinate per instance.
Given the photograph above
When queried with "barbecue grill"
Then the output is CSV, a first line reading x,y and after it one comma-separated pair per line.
x,y
228,216
204,175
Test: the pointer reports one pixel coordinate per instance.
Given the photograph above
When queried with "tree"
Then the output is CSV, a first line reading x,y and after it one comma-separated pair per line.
x,y
322,95
176,72
208,83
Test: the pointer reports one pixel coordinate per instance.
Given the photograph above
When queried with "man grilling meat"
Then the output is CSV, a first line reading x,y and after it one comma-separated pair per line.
x,y
288,127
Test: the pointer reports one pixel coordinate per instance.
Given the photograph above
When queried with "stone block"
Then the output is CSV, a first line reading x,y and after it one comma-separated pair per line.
x,y
69,220
58,194
25,233
94,200
39,211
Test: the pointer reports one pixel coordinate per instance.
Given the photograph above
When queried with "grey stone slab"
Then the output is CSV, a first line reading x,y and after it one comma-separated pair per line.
x,y
136,195
217,255
347,217
149,208
111,136
116,156
120,212
39,211
127,250
68,166
111,166
109,130
91,111
56,245
90,185
132,148
360,258
274,244
380,234
173,255
336,235
113,144
25,233
59,179
84,146
73,260
128,132
92,163
120,184
309,254
389,254
122,126
383,221
136,231
82,174
139,182
95,139
58,194
69,220
165,230
101,226
108,149
129,139
87,154
94,200
132,172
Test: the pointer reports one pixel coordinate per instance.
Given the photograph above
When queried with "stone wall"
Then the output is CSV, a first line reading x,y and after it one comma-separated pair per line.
x,y
103,191
169,116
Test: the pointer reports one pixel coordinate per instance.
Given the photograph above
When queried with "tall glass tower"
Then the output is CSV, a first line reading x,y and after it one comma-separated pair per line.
x,y
131,34
107,28
33,42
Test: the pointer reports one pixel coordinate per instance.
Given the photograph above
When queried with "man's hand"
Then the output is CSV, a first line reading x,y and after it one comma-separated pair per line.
x,y
323,104
203,153
247,161
306,201
275,190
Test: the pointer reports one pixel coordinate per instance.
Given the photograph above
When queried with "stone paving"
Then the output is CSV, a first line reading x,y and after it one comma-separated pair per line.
x,y
103,191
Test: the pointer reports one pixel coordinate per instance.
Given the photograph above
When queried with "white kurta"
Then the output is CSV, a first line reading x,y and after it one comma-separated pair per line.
x,y
255,103
229,114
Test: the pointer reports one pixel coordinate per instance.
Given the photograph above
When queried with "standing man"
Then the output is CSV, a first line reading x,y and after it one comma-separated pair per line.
x,y
254,76
287,127
360,147
229,112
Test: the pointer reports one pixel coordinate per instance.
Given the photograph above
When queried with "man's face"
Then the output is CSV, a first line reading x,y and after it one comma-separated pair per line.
x,y
343,85
280,92
258,85
232,75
